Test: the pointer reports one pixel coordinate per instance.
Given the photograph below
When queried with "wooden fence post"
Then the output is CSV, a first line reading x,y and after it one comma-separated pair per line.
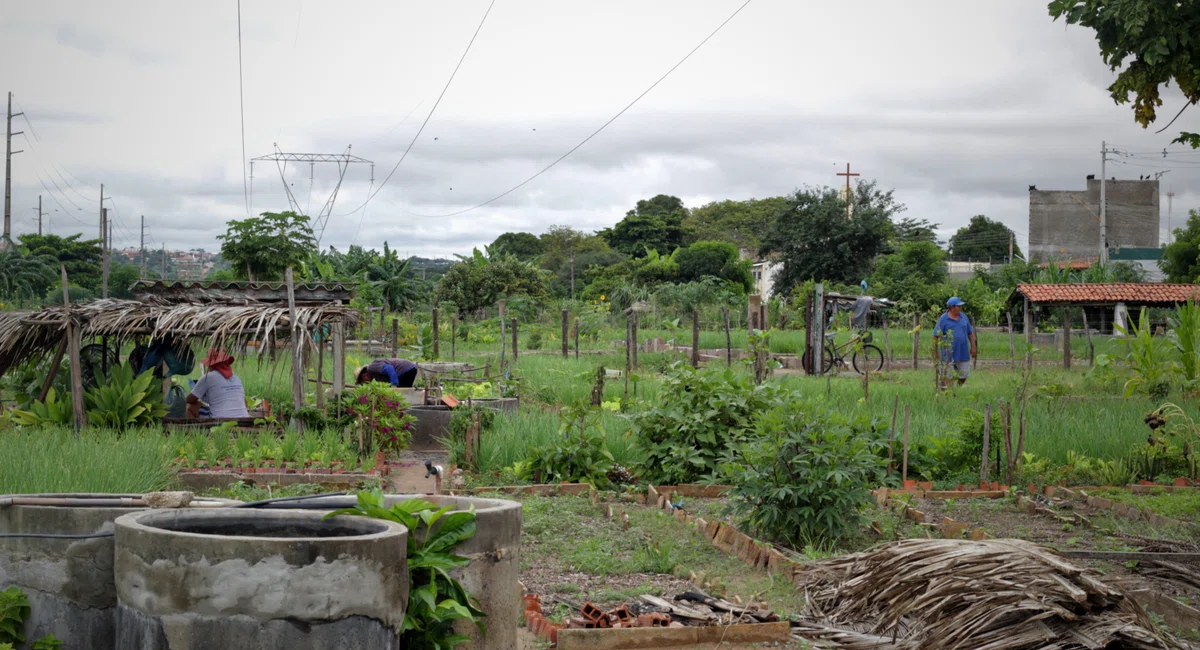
x,y
916,339
1028,335
1012,346
728,339
436,337
395,336
696,338
454,336
634,333
628,355
370,333
987,433
297,357
338,341
514,335
1087,331
577,339
1067,338
565,335
904,467
503,339
321,374
887,344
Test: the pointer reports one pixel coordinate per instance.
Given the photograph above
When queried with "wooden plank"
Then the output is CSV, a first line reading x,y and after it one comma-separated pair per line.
x,y
73,345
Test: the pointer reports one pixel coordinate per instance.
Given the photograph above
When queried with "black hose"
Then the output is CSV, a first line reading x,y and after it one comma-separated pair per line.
x,y
53,536
264,502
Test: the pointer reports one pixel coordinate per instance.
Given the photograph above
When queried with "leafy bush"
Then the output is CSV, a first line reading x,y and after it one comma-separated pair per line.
x,y
1185,335
48,642
122,400
1147,356
962,446
383,413
806,476
53,411
14,609
436,599
684,436
578,453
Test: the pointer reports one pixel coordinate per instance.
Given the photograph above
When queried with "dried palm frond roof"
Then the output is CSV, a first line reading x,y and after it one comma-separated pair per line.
x,y
1000,594
30,334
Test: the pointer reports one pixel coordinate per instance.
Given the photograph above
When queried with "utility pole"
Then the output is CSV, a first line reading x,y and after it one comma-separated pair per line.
x,y
8,153
163,260
40,215
104,252
1103,205
1011,236
102,215
142,255
1170,195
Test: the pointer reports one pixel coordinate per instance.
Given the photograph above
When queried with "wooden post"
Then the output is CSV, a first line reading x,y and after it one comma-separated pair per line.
x,y
1012,345
73,344
503,338
297,357
1028,335
904,467
887,344
763,317
892,436
321,374
471,440
577,339
817,333
565,333
987,434
634,332
395,336
370,333
916,340
628,355
1087,331
434,324
338,352
454,336
1006,419
696,338
1067,338
728,338
54,364
514,335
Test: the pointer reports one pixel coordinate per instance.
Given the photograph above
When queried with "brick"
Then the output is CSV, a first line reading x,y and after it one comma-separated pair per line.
x,y
711,529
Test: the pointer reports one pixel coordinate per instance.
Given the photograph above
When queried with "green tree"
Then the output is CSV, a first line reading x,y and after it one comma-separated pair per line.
x,y
479,281
910,229
391,278
1181,258
121,278
80,257
570,253
522,245
264,246
983,240
742,223
716,259
1159,40
815,240
911,274
24,274
656,224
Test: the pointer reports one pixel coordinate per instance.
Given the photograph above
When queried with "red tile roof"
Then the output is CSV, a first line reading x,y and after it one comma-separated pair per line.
x,y
1110,292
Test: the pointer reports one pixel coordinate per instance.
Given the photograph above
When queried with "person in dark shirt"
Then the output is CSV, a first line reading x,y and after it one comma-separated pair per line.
x,y
397,372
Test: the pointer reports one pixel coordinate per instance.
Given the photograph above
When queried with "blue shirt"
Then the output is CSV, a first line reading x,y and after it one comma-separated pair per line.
x,y
959,329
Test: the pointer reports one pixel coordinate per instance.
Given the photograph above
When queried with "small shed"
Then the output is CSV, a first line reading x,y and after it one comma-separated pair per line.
x,y
1103,303
229,315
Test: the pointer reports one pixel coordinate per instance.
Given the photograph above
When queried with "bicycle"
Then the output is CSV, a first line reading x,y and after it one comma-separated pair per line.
x,y
869,357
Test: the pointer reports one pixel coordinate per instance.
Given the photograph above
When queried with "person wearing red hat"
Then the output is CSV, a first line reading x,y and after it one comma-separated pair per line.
x,y
219,388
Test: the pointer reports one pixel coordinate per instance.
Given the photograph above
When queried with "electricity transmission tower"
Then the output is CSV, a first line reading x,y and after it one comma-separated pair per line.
x,y
282,158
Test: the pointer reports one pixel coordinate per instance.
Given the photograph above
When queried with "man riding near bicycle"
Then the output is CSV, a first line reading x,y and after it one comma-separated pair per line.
x,y
957,356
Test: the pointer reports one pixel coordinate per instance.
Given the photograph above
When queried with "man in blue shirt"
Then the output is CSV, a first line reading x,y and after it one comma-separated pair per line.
x,y
962,348
397,372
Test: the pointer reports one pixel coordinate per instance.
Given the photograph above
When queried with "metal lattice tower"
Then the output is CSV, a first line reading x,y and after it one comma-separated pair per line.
x,y
343,161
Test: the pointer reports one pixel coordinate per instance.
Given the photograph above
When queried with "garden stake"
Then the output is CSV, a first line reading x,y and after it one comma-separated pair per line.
x,y
987,432
628,334
565,338
577,339
1012,347
1006,422
514,334
904,467
434,325
892,437
395,337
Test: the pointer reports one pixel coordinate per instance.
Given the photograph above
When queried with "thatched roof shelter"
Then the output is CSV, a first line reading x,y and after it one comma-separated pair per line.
x,y
31,334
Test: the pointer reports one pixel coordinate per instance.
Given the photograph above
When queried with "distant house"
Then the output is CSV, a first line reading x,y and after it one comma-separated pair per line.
x,y
1145,257
763,270
1065,224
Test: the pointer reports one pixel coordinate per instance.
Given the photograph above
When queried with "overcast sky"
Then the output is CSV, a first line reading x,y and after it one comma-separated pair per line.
x,y
959,106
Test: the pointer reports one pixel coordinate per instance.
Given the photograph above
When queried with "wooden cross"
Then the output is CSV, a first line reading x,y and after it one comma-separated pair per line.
x,y
847,174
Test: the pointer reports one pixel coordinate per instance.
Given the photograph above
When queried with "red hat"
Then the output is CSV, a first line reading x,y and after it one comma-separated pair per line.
x,y
216,356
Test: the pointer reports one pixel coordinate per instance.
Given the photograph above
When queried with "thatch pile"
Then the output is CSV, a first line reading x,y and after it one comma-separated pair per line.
x,y
988,595
30,334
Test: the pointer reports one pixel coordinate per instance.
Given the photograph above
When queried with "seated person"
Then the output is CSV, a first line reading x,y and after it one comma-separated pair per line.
x,y
397,372
219,388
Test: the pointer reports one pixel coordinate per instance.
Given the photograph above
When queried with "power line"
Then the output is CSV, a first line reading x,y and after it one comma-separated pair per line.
x,y
431,111
602,126
242,109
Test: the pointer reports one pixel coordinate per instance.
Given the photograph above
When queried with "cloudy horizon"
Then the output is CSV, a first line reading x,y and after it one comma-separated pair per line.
x,y
957,107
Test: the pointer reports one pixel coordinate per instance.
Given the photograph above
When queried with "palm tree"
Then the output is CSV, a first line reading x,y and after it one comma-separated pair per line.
x,y
22,274
388,274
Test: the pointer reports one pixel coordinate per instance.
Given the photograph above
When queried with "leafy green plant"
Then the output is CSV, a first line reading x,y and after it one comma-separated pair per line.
x,y
1147,356
436,600
53,411
14,609
1185,335
534,340
48,642
685,436
289,449
242,447
460,421
122,400
222,441
807,475
577,454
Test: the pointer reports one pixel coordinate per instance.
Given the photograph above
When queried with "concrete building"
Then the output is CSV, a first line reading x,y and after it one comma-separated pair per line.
x,y
1064,224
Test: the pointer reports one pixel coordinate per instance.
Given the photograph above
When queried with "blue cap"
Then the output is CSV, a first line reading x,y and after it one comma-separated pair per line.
x,y
954,302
